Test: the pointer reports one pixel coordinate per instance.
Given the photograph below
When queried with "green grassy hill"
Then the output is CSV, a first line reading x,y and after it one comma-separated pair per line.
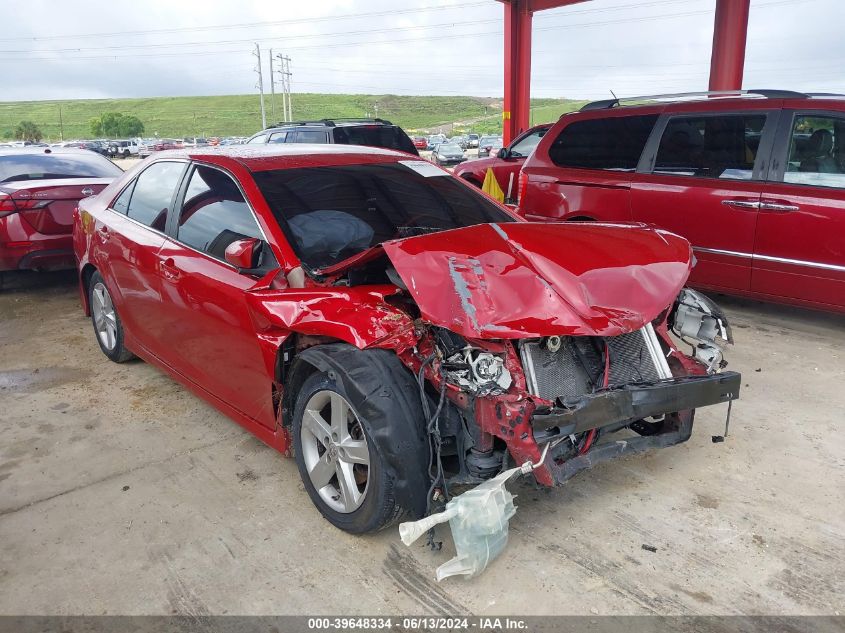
x,y
239,115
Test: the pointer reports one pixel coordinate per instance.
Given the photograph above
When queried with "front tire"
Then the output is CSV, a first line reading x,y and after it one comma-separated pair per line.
x,y
341,466
108,327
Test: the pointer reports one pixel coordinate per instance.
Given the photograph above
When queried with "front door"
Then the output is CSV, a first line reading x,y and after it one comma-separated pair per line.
x,y
209,333
703,181
799,252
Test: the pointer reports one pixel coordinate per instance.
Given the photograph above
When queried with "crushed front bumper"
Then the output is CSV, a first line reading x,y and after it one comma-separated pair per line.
x,y
630,403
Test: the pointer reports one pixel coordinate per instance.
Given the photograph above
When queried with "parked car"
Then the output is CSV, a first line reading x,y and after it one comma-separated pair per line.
x,y
420,142
368,132
756,183
39,189
489,145
158,145
505,164
315,294
472,140
448,153
436,139
125,148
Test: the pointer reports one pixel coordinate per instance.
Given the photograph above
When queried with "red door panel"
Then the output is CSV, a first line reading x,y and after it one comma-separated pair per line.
x,y
800,247
718,217
208,334
128,258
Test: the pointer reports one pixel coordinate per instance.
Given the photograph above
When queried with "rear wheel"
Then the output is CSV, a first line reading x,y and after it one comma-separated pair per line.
x,y
106,321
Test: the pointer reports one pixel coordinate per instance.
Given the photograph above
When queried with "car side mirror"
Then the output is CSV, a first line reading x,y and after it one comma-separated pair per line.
x,y
243,254
503,153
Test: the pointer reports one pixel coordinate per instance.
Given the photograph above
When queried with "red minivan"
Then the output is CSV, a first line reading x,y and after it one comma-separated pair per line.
x,y
755,181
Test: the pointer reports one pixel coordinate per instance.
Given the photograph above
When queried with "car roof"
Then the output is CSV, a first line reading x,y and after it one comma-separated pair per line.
x,y
286,156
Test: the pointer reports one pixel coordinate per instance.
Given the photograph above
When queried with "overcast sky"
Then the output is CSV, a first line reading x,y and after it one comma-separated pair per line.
x,y
116,48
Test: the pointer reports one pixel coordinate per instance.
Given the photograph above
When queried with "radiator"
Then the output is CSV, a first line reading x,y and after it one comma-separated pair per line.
x,y
577,367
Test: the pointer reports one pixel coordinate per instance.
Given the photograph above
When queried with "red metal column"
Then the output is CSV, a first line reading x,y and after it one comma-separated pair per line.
x,y
730,31
518,19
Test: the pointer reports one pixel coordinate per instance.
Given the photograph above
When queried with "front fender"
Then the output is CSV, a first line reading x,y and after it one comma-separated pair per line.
x,y
358,316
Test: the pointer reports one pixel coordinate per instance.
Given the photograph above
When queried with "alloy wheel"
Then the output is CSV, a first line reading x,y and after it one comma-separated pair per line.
x,y
335,451
105,320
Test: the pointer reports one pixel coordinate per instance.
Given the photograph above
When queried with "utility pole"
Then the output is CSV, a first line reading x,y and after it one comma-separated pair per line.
x,y
61,125
272,88
260,85
375,107
284,79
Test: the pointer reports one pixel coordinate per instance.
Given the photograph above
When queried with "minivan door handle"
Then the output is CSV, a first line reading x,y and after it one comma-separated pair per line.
x,y
778,207
741,204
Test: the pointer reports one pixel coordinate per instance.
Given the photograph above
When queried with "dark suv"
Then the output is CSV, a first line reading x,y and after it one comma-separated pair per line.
x,y
369,132
754,180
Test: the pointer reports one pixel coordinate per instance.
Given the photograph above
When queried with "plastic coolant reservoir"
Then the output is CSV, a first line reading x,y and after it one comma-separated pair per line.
x,y
479,522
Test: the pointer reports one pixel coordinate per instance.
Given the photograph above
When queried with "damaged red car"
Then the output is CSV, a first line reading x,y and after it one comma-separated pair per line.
x,y
395,329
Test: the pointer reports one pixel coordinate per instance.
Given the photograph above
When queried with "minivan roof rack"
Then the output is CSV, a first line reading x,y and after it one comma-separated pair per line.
x,y
725,94
330,122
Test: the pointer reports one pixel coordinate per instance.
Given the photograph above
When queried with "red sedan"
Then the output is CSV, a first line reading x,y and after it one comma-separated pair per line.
x,y
420,142
391,325
505,164
39,189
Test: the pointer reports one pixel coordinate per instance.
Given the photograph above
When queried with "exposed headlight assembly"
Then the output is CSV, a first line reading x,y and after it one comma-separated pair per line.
x,y
697,320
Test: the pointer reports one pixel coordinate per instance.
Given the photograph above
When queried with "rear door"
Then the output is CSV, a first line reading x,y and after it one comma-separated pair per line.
x,y
799,251
589,168
702,177
129,236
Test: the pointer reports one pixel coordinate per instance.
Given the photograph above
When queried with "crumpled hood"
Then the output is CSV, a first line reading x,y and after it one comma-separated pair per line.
x,y
525,280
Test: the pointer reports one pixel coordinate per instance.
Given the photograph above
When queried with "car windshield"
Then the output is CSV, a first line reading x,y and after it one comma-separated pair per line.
x,y
450,147
45,166
491,140
332,213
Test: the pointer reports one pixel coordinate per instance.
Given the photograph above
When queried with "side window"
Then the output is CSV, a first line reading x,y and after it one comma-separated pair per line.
x,y
817,152
153,193
525,146
214,213
710,146
614,143
278,137
121,204
261,138
308,136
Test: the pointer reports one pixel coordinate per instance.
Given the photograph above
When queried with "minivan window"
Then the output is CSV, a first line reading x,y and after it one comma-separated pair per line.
x,y
153,193
614,143
710,146
332,213
307,136
261,138
214,213
817,152
278,137
388,136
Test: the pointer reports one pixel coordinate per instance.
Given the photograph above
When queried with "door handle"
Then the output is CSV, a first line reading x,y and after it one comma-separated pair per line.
x,y
777,207
741,204
168,269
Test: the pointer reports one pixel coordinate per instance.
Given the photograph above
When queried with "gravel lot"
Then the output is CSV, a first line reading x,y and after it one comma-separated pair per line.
x,y
122,493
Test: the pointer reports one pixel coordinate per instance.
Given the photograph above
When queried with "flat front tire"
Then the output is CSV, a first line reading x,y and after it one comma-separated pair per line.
x,y
341,467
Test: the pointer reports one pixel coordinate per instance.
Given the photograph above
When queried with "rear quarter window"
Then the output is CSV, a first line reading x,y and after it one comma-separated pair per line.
x,y
613,143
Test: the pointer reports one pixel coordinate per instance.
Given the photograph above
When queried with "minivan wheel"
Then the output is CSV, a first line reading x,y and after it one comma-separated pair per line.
x,y
340,464
107,325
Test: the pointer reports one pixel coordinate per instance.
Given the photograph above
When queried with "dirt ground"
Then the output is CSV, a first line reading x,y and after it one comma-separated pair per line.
x,y
121,493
